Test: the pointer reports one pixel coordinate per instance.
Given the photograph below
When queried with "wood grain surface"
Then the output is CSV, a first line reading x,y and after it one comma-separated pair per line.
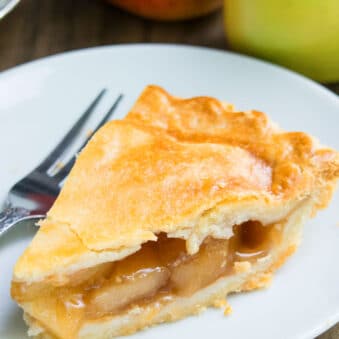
x,y
37,28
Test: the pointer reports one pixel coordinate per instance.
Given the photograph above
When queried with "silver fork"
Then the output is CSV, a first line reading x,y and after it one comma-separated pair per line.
x,y
32,196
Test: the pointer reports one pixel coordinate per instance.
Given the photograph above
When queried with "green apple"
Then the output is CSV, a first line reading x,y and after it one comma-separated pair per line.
x,y
300,34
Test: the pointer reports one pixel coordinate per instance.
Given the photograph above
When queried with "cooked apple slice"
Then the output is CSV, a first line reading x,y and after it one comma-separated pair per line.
x,y
138,276
171,250
115,296
91,274
196,272
27,292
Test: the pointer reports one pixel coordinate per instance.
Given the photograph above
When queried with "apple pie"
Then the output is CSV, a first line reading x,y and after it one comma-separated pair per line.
x,y
165,213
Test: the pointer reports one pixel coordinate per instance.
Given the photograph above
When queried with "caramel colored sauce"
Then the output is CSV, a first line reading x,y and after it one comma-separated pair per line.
x,y
252,241
158,272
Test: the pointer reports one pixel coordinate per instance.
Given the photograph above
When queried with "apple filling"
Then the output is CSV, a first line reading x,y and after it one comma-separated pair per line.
x,y
159,271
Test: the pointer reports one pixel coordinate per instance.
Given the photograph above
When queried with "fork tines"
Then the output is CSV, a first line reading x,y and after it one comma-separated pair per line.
x,y
54,157
65,169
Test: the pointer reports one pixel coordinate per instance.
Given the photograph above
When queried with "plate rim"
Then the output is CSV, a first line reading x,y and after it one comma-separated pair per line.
x,y
76,52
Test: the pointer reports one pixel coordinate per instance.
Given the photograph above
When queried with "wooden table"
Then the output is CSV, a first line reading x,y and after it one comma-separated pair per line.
x,y
38,28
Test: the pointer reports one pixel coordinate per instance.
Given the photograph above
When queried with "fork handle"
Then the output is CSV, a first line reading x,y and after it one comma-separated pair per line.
x,y
9,216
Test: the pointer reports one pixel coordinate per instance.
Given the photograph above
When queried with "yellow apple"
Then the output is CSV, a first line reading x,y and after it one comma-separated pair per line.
x,y
300,34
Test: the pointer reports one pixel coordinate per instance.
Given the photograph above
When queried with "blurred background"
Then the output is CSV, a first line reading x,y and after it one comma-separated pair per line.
x,y
302,35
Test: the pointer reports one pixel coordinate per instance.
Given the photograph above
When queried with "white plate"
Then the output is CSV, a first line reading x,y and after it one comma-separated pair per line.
x,y
40,100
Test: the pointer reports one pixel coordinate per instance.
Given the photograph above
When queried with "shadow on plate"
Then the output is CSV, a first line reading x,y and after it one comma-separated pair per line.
x,y
15,326
22,231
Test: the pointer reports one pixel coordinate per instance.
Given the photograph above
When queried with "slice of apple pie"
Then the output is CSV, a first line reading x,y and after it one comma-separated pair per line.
x,y
165,213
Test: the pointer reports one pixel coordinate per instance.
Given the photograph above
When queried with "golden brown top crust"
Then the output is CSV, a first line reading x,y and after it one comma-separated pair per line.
x,y
164,166
131,183
295,157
